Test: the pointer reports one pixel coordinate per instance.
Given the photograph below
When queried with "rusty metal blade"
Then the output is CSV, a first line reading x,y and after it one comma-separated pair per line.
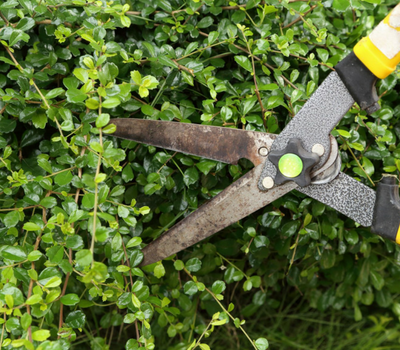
x,y
212,142
234,203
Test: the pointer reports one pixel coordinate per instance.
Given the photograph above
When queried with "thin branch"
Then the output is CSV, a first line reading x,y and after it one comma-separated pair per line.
x,y
49,21
300,18
4,19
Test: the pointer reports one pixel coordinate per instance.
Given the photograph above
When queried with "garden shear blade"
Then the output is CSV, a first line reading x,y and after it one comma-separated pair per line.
x,y
304,156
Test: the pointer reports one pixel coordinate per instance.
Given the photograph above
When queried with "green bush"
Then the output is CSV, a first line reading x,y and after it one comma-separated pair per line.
x,y
77,204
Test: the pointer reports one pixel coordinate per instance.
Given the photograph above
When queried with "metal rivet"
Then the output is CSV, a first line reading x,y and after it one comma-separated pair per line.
x,y
318,149
263,151
268,182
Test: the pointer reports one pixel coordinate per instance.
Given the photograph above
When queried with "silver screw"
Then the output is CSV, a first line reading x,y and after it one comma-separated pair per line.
x,y
263,151
268,182
318,149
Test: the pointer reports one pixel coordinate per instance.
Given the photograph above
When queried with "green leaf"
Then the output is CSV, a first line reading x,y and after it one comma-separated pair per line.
x,y
10,289
48,202
34,299
212,37
76,319
127,173
191,176
205,166
164,4
159,270
226,113
129,318
377,280
16,36
44,163
123,212
126,22
63,178
193,265
179,265
341,5
190,288
75,95
296,95
34,255
383,297
102,120
12,218
248,285
14,253
25,24
92,103
135,301
109,129
100,178
41,335
81,74
218,287
84,257
108,73
70,299
39,121
111,102
149,82
55,254
136,77
26,321
9,301
244,62
133,242
204,346
205,22
53,282
143,92
116,243
54,93
97,147
261,344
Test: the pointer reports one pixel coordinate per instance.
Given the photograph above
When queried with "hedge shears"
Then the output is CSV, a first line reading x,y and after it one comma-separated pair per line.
x,y
304,156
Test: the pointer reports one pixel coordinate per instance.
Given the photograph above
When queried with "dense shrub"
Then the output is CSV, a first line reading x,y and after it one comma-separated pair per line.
x,y
71,281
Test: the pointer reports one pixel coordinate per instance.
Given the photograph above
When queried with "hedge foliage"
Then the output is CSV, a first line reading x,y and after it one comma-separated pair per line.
x,y
77,205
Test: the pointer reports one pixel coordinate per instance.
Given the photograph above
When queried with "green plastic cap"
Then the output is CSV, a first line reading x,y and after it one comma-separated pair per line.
x,y
290,165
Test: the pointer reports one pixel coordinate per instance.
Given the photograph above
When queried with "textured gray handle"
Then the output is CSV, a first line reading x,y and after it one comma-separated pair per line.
x,y
346,195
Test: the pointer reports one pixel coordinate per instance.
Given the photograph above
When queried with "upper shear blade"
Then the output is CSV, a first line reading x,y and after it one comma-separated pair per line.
x,y
222,144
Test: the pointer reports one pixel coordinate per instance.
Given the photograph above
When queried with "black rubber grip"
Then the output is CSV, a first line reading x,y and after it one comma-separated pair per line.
x,y
386,218
360,82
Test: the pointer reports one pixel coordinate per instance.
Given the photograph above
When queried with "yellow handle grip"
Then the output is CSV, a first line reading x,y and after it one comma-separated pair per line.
x,y
380,51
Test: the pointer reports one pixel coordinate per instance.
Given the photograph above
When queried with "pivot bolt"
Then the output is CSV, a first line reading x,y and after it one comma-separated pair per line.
x,y
268,182
318,149
263,151
290,165
293,163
